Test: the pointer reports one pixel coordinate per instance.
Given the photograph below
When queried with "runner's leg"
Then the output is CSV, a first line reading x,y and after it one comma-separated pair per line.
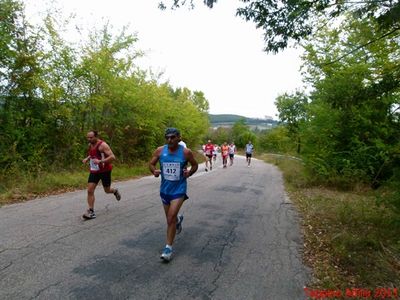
x,y
171,212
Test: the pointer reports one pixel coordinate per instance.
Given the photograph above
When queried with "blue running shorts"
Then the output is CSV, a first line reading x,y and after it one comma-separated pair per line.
x,y
166,199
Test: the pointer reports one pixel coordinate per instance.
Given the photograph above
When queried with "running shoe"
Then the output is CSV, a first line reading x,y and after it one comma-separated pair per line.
x,y
89,214
179,224
210,168
117,195
206,170
166,255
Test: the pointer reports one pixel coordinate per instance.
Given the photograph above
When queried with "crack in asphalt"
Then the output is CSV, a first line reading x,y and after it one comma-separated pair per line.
x,y
44,289
2,269
229,240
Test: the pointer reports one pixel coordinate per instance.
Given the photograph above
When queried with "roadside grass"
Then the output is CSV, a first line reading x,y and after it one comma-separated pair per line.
x,y
349,240
18,186
23,186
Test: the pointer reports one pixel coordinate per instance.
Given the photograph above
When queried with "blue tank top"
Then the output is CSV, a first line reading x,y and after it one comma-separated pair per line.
x,y
172,164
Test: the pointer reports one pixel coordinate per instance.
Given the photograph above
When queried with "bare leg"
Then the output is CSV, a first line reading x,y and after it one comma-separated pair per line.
x,y
109,190
171,212
90,194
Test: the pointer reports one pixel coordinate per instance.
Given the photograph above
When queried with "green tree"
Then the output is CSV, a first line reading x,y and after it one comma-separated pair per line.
x,y
285,21
52,93
199,100
220,135
276,140
352,127
241,134
292,112
22,110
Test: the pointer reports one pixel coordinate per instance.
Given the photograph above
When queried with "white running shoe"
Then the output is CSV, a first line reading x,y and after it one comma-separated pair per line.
x,y
166,255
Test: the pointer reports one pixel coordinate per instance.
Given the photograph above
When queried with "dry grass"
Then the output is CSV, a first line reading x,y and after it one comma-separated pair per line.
x,y
17,186
349,240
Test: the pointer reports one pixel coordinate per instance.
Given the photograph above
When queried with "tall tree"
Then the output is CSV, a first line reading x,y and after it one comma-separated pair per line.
x,y
352,124
292,112
22,110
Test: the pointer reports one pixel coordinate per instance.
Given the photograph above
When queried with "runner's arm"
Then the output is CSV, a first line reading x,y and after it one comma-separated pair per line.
x,y
193,163
109,155
153,162
85,160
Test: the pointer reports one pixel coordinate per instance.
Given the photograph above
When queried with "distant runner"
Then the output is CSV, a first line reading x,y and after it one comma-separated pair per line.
x,y
208,151
215,153
232,152
224,154
249,152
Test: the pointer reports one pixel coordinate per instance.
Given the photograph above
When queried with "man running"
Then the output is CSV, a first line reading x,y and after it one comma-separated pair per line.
x,y
232,152
249,152
208,151
100,157
224,154
215,153
173,159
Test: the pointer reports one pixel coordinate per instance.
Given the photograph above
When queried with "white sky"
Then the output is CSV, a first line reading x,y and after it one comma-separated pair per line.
x,y
208,50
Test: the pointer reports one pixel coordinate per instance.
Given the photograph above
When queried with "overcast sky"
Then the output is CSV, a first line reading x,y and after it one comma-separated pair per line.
x,y
208,50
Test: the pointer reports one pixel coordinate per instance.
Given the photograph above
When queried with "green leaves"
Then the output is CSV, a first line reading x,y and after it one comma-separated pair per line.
x,y
351,126
52,92
285,22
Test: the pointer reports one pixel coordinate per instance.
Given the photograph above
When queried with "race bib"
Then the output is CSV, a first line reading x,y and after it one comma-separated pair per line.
x,y
93,166
172,171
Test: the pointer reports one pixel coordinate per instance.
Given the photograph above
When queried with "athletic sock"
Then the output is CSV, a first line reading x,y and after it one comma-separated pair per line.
x,y
168,246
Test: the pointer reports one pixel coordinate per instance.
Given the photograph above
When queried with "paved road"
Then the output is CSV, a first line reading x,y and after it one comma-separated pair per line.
x,y
240,240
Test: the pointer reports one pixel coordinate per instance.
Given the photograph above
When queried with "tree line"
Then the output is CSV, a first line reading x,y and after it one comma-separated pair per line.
x,y
348,127
346,124
53,91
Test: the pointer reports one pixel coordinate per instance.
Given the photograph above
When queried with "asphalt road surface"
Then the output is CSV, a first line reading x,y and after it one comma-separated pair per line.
x,y
240,240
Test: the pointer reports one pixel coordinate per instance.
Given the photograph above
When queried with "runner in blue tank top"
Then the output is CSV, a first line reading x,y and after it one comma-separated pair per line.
x,y
173,159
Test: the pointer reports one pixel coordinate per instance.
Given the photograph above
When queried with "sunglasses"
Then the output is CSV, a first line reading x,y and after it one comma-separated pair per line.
x,y
170,137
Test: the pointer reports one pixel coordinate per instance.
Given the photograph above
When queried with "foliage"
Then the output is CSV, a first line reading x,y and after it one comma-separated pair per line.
x,y
292,112
284,21
277,140
352,122
348,239
241,134
52,92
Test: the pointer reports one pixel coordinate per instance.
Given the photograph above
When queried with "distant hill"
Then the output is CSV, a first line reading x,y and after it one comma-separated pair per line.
x,y
226,120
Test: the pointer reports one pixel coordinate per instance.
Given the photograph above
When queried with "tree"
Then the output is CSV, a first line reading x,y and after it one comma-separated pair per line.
x,y
200,101
292,112
22,111
241,134
294,20
352,124
276,140
52,93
